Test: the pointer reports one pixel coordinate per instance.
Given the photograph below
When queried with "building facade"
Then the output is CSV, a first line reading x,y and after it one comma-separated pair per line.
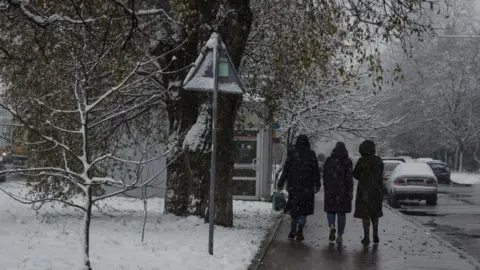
x,y
6,119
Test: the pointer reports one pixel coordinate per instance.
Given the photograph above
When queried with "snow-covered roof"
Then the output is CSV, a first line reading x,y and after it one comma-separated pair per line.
x,y
392,161
424,159
405,157
213,42
413,170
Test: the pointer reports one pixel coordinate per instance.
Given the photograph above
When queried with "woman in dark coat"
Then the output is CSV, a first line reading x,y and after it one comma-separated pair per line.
x,y
338,187
302,175
369,200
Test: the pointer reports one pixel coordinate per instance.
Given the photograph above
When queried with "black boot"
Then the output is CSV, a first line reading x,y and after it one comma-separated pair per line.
x,y
366,232
366,241
376,240
333,231
301,223
300,234
293,229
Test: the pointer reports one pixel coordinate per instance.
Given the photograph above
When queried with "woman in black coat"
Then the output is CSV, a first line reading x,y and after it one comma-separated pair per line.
x,y
302,175
369,200
338,187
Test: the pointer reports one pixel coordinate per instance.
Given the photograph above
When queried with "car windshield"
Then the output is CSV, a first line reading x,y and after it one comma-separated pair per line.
x,y
389,166
438,166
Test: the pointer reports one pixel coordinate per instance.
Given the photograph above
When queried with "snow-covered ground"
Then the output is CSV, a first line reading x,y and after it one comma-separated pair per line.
x,y
466,178
50,237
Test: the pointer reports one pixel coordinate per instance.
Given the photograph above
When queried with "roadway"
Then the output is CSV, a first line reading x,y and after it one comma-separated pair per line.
x,y
456,217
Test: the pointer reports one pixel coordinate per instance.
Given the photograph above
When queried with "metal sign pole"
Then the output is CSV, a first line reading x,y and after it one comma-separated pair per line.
x,y
213,155
220,66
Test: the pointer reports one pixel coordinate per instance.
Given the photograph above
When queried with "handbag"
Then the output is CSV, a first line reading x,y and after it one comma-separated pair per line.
x,y
279,201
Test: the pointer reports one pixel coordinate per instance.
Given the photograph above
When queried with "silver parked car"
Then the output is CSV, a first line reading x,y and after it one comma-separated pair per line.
x,y
412,181
389,166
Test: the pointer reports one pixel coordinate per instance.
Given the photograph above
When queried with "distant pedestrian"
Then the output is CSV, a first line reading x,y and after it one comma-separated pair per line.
x,y
369,200
302,175
338,187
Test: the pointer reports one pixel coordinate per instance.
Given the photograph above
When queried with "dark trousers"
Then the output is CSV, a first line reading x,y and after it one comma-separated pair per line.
x,y
340,218
366,227
297,220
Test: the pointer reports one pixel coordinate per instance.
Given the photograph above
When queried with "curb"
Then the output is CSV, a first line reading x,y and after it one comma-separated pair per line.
x,y
265,244
461,199
456,198
474,262
455,184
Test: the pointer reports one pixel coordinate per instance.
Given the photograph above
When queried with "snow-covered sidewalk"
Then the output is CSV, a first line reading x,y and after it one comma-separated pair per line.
x,y
465,178
50,237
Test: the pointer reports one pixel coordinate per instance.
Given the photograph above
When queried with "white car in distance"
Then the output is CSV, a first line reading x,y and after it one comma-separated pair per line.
x,y
406,158
412,181
424,160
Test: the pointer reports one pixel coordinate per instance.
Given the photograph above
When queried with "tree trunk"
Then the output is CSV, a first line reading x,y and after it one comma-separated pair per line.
x,y
289,141
290,138
475,154
460,161
200,189
234,33
199,161
225,162
183,112
183,109
86,229
456,158
179,177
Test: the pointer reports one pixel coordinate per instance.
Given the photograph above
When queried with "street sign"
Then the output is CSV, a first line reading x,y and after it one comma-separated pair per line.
x,y
276,126
213,72
200,77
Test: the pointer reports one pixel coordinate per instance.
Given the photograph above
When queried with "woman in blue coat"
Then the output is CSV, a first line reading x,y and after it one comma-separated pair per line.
x,y
338,187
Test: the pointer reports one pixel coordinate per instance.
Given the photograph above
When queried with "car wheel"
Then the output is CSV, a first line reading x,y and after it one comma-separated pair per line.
x,y
392,201
432,200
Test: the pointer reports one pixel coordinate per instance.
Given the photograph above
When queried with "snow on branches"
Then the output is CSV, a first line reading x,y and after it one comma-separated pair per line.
x,y
310,61
439,93
83,91
65,139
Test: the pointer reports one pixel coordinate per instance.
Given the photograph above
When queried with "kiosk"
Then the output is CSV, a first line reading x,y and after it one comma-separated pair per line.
x,y
255,145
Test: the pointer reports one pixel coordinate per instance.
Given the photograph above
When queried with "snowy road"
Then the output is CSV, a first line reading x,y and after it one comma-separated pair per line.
x,y
456,218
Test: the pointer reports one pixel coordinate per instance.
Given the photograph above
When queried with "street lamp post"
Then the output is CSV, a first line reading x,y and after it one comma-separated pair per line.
x,y
213,155
213,72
